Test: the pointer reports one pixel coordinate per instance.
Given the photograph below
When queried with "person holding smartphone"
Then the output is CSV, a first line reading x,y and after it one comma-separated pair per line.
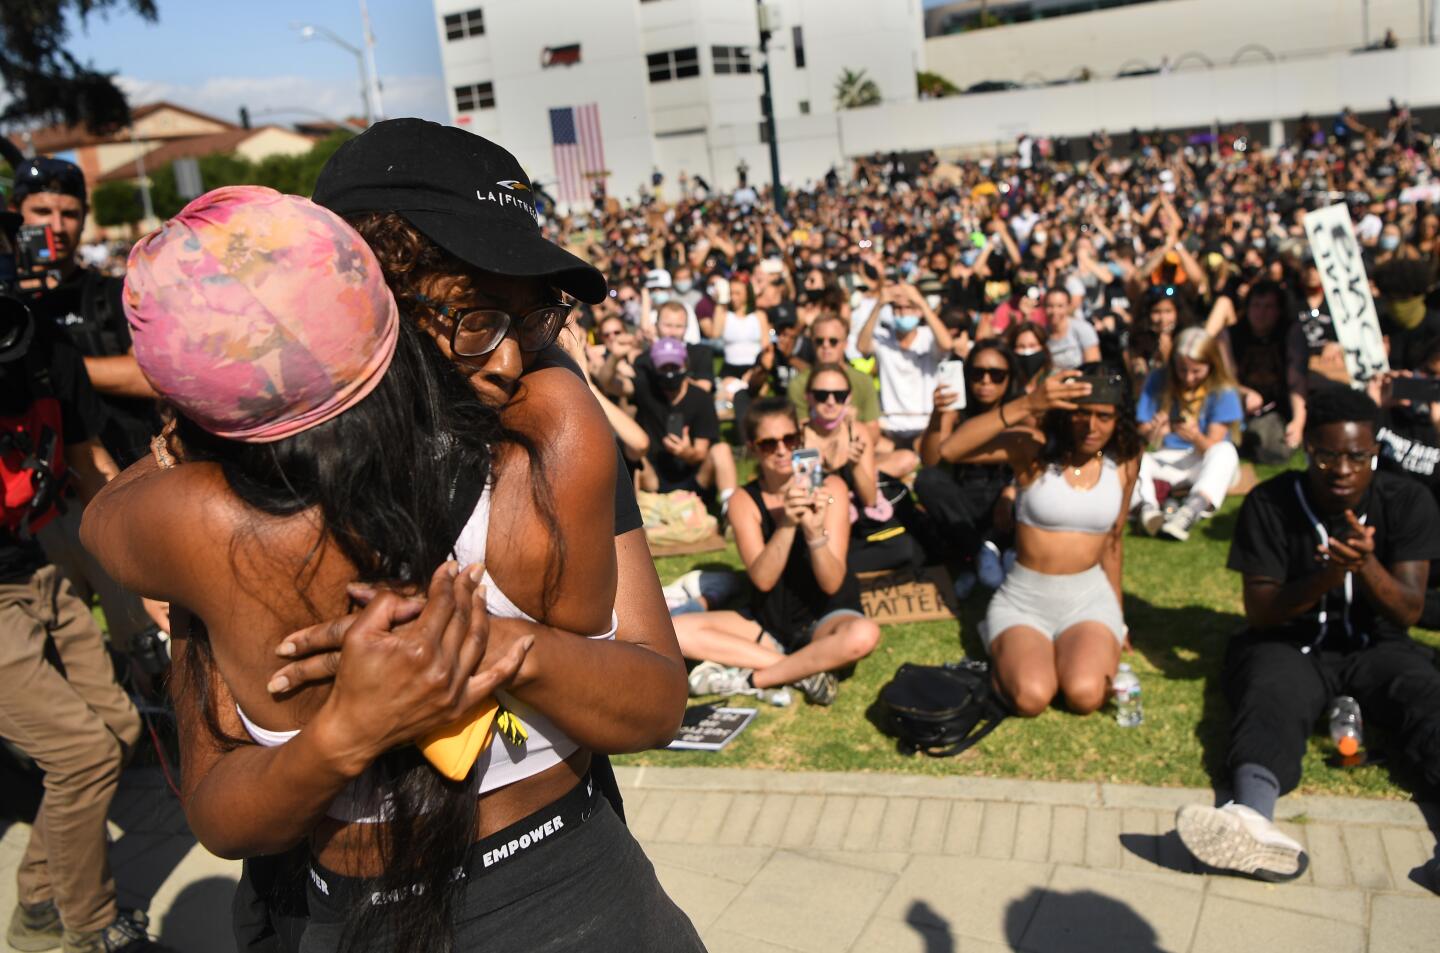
x,y
680,421
804,621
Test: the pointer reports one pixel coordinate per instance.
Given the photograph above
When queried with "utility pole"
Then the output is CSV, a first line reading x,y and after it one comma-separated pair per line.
x,y
373,83
767,107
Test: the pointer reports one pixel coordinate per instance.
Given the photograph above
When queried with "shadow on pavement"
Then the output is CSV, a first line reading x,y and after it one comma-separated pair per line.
x,y
932,927
198,920
1163,850
1078,922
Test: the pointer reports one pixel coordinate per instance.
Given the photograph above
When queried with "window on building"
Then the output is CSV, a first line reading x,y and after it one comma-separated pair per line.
x,y
797,40
475,96
673,64
730,59
804,107
460,25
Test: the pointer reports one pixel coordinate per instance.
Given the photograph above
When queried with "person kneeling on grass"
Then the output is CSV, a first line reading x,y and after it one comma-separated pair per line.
x,y
1335,559
804,620
1055,626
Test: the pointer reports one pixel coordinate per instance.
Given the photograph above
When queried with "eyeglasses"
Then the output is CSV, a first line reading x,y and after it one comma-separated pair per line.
x,y
769,445
994,375
478,332
1330,459
825,396
829,342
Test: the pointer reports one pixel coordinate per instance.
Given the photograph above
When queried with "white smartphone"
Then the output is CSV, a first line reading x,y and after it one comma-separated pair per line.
x,y
951,375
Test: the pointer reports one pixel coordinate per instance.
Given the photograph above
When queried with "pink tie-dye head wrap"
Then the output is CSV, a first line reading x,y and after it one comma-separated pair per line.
x,y
259,315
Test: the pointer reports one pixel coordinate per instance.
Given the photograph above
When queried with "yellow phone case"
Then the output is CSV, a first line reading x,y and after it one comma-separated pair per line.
x,y
454,748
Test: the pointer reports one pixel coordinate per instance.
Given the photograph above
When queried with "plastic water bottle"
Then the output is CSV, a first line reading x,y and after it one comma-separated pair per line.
x,y
1346,728
1125,692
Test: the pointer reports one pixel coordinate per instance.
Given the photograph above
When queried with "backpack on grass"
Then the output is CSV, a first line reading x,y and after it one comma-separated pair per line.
x,y
940,710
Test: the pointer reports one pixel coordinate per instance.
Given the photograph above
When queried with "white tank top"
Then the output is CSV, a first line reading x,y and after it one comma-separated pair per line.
x,y
364,801
742,339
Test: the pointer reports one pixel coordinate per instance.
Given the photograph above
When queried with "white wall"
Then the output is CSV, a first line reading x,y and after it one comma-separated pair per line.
x,y
885,38
1105,41
1254,93
611,73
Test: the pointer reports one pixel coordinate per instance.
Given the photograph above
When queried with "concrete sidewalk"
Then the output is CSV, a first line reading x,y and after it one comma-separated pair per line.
x,y
770,862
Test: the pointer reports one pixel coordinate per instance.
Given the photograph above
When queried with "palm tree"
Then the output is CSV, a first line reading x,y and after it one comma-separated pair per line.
x,y
854,89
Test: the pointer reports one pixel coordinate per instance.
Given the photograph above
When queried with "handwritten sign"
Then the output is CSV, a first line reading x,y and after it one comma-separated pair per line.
x,y
1347,291
708,728
908,595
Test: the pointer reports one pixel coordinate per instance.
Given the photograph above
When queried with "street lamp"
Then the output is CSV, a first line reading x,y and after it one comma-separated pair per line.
x,y
309,31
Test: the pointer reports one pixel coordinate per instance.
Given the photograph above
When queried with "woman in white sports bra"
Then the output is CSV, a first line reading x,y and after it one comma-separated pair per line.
x,y
1056,626
373,460
745,333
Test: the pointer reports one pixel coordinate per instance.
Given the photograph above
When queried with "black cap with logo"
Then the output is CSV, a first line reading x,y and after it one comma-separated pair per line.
x,y
465,193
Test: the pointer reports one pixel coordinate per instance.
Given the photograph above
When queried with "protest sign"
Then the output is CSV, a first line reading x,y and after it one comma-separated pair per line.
x,y
1347,291
708,728
908,595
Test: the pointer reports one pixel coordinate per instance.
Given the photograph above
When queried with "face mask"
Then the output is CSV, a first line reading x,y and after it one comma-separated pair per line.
x,y
1039,237
1030,363
814,294
1389,242
631,307
684,286
1258,243
823,425
905,323
659,297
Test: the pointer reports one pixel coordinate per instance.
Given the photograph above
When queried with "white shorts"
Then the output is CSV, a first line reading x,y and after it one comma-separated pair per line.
x,y
1052,604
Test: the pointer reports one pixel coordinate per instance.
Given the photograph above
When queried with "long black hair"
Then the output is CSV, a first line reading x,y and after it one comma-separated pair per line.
x,y
1013,384
1124,445
380,477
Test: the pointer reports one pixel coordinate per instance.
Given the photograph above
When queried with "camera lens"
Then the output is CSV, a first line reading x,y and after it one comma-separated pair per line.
x,y
16,328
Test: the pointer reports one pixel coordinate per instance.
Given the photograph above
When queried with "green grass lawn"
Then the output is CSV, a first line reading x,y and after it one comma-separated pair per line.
x,y
1181,604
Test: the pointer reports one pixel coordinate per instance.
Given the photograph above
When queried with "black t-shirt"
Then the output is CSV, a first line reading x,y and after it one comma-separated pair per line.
x,y
48,388
696,410
627,511
1318,326
1410,445
1275,538
87,308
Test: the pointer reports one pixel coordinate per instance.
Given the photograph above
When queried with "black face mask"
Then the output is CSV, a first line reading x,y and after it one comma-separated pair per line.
x,y
814,294
1030,363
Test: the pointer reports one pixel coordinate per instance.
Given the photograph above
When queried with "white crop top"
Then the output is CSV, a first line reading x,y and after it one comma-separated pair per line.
x,y
362,801
1052,503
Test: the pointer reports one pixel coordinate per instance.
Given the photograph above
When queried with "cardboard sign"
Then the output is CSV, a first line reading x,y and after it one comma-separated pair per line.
x,y
708,728
908,595
1347,291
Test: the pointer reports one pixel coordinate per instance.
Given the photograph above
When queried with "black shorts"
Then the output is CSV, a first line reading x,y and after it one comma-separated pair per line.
x,y
532,886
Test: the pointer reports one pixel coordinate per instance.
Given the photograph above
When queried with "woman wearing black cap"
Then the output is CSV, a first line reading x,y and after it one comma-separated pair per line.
x,y
450,218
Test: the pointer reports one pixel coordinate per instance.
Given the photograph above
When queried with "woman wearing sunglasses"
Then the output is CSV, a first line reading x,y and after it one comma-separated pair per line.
x,y
845,447
969,501
804,620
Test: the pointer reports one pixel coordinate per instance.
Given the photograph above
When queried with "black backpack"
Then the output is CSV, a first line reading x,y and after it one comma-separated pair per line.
x,y
941,710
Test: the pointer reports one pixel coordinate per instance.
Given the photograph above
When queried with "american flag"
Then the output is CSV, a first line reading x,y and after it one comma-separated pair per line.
x,y
578,148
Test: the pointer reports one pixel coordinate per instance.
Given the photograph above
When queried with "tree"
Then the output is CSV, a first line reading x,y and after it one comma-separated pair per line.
x,y
44,82
934,86
116,203
855,89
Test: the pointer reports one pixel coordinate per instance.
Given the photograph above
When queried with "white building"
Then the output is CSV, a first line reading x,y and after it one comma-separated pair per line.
x,y
675,84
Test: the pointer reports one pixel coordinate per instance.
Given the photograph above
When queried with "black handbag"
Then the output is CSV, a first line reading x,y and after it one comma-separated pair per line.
x,y
940,710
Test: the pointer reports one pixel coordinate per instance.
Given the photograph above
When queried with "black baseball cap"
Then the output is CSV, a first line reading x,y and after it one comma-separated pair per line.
x,y
463,192
43,174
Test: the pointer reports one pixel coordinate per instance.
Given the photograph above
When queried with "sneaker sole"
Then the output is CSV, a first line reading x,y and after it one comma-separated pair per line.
x,y
33,943
1221,841
1151,527
1175,533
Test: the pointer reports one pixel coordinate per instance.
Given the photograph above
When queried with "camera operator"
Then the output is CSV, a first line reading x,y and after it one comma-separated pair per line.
x,y
85,306
59,702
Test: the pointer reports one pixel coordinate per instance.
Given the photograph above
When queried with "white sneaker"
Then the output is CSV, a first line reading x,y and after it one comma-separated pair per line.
x,y
1150,519
1239,838
712,678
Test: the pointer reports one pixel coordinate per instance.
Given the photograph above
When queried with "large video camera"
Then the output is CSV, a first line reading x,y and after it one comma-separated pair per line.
x,y
26,253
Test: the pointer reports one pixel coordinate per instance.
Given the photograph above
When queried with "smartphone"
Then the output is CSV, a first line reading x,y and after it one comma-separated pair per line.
x,y
805,463
674,424
1421,390
951,375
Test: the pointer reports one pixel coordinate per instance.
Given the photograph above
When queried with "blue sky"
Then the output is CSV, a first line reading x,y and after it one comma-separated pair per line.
x,y
216,55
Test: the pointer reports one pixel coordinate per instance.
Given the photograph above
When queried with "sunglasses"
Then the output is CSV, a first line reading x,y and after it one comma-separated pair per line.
x,y
825,396
829,342
992,374
1330,459
769,445
478,332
